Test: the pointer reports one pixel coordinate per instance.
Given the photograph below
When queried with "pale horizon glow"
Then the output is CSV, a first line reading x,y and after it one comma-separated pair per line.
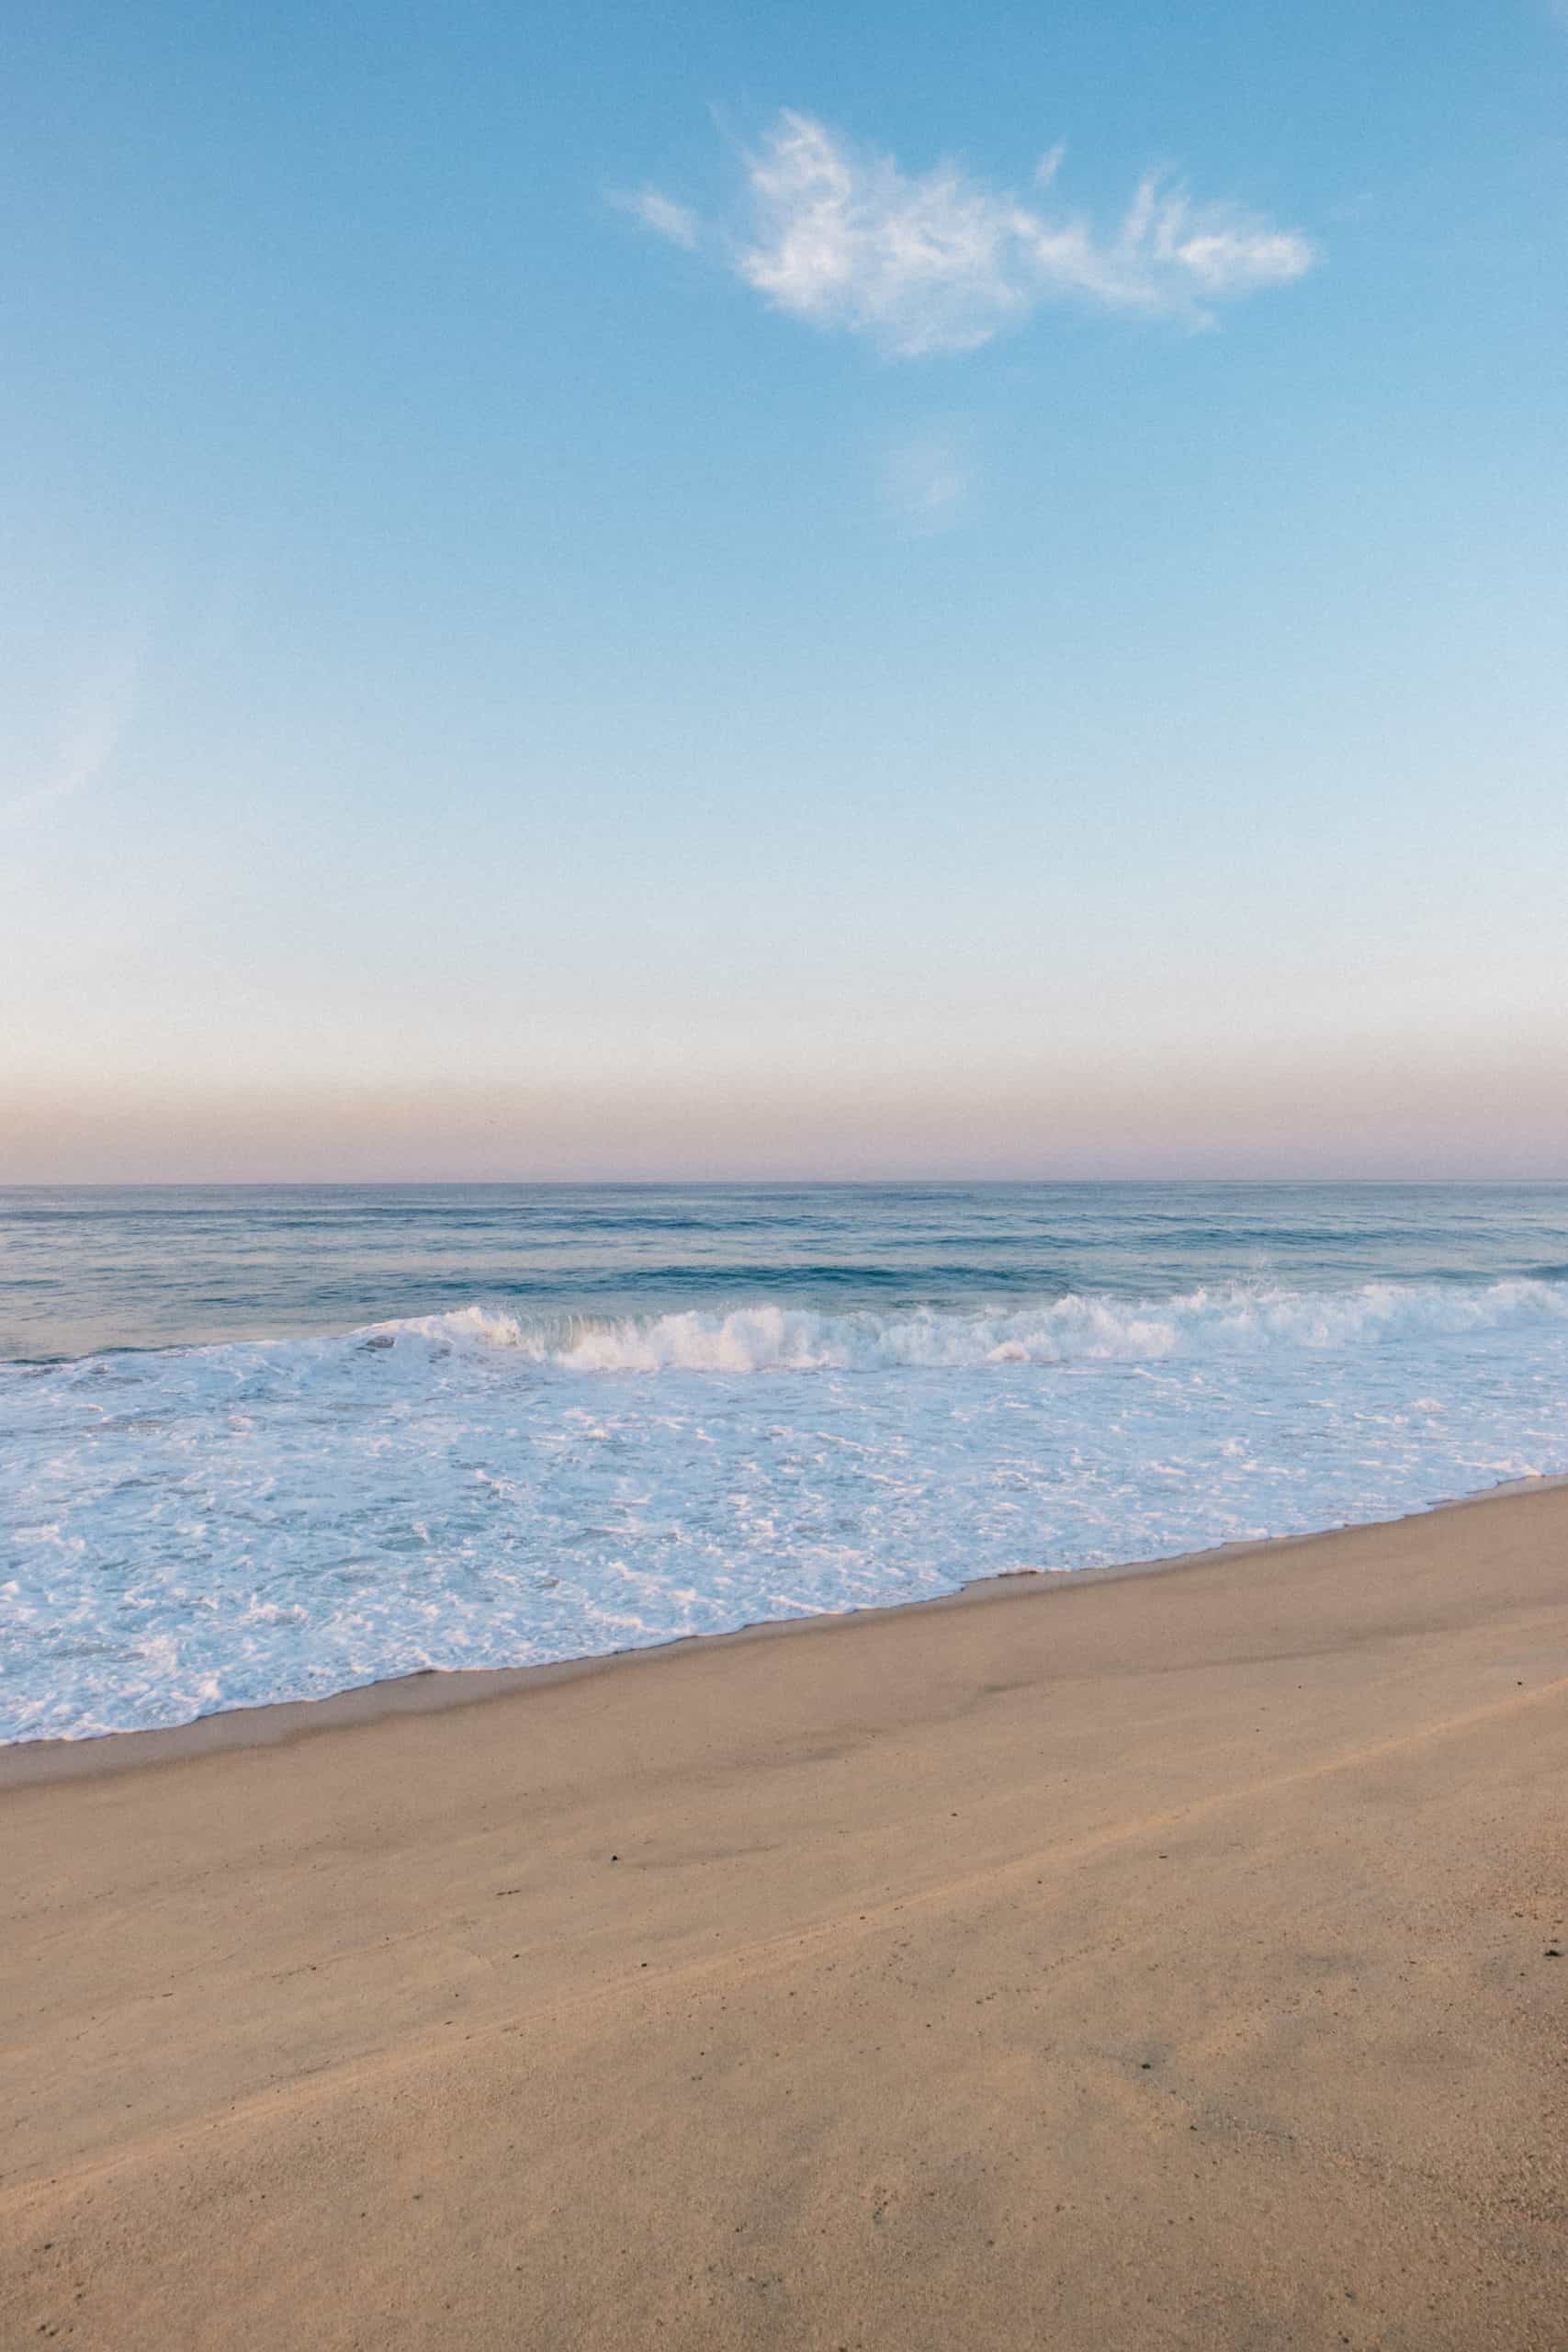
x,y
819,606
1307,1123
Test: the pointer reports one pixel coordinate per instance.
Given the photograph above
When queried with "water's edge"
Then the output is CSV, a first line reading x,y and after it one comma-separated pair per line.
x,y
278,1446
35,1763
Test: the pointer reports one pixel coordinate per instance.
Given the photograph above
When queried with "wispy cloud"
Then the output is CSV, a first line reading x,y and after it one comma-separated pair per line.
x,y
661,214
91,736
942,262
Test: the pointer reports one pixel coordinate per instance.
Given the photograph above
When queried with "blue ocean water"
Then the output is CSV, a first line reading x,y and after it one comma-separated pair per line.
x,y
265,1443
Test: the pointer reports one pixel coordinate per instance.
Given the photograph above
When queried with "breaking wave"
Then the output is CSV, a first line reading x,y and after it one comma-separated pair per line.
x,y
1229,1319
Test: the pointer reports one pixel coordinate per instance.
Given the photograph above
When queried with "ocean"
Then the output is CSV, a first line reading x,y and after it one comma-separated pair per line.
x,y
265,1443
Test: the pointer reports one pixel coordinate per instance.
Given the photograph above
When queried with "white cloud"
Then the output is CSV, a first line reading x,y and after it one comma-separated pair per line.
x,y
663,215
940,261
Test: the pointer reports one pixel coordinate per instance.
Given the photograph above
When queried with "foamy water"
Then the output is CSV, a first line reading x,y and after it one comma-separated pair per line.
x,y
192,1527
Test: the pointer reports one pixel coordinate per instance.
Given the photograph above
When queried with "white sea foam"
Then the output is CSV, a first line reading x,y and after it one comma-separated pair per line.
x,y
1224,1320
211,1527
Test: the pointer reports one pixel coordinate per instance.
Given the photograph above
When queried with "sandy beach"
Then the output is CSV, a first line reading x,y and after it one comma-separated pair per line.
x,y
1162,1959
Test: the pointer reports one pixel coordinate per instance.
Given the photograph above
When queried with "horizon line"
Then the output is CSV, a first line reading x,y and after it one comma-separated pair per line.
x,y
745,1183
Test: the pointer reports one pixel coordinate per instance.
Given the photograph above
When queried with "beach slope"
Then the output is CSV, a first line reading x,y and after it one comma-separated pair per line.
x,y
1134,1963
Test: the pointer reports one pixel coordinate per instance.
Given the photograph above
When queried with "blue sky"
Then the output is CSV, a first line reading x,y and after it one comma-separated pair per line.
x,y
706,591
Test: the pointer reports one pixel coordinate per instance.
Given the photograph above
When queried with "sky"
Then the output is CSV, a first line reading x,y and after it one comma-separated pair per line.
x,y
696,591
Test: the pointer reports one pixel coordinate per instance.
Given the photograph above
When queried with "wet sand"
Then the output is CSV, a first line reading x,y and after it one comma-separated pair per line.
x,y
1088,1965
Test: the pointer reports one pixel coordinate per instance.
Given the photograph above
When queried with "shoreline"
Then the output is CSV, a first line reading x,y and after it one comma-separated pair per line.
x,y
38,1763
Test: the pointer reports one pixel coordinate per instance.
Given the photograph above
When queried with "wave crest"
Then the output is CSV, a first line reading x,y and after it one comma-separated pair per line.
x,y
1077,1328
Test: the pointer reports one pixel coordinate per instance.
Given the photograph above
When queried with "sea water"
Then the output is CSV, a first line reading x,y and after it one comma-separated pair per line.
x,y
261,1444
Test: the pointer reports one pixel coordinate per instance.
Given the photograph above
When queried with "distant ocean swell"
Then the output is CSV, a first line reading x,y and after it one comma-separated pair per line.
x,y
192,1528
